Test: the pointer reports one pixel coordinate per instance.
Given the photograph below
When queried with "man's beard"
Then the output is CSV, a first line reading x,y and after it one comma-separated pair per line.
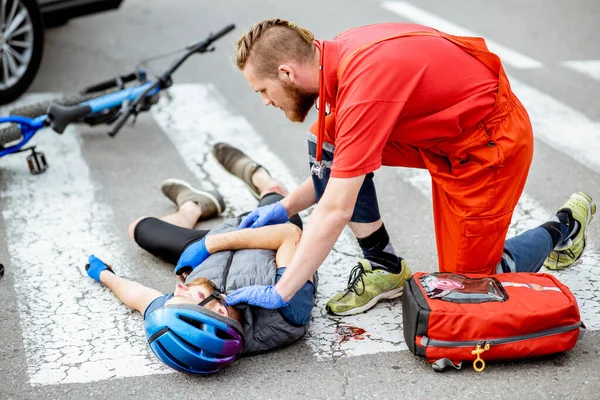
x,y
301,101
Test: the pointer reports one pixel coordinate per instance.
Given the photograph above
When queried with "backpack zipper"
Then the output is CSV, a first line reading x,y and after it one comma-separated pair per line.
x,y
484,344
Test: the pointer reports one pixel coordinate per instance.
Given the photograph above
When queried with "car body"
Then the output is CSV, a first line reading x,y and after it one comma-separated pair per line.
x,y
57,12
22,24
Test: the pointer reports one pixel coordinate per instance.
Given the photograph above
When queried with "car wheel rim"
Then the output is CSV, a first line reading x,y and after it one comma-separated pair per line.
x,y
16,42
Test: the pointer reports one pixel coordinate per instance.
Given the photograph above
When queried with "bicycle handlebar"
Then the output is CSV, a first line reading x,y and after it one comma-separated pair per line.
x,y
164,80
203,44
116,127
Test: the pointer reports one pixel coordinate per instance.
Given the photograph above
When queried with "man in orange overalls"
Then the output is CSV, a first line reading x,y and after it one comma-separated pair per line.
x,y
403,95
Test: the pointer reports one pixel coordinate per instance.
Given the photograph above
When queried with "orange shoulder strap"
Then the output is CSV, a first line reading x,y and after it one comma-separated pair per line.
x,y
342,65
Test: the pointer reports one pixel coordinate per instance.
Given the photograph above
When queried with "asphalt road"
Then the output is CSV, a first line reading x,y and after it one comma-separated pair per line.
x,y
123,176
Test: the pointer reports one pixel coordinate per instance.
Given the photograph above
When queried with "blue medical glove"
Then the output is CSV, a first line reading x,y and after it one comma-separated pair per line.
x,y
95,266
271,214
260,296
191,257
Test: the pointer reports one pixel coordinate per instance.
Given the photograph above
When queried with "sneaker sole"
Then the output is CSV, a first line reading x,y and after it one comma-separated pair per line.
x,y
194,190
392,294
250,185
592,211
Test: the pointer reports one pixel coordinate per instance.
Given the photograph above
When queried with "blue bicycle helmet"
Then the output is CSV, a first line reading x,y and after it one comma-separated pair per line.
x,y
191,338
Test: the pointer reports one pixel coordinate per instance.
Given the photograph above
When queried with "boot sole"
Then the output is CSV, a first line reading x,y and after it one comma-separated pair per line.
x,y
194,190
250,185
392,294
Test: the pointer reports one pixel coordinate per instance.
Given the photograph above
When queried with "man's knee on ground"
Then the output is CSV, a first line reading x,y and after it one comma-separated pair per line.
x,y
132,227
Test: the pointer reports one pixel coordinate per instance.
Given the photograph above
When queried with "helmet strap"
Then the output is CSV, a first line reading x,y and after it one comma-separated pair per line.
x,y
215,295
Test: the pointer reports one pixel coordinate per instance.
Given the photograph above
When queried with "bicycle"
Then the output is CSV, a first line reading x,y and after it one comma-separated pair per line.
x,y
108,102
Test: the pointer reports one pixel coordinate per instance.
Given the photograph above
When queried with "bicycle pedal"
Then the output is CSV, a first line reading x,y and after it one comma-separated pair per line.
x,y
37,162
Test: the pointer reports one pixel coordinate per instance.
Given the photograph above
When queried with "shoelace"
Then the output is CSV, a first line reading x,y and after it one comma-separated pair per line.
x,y
356,276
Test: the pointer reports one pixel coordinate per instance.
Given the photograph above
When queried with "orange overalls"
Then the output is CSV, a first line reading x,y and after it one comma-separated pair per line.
x,y
477,177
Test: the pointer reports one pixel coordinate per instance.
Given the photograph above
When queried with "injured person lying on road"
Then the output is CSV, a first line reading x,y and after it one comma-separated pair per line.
x,y
193,329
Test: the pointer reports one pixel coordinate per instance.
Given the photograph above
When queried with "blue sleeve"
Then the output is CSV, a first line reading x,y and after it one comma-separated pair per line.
x,y
157,303
297,312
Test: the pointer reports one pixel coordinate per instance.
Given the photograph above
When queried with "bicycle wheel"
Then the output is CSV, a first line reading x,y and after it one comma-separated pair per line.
x,y
9,134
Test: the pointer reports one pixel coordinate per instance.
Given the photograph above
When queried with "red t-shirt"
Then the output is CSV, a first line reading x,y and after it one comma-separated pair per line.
x,y
414,90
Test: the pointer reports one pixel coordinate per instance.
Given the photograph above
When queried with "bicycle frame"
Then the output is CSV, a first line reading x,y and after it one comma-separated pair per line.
x,y
28,126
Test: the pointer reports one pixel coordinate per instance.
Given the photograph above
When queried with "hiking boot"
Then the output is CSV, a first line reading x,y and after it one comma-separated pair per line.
x,y
238,164
366,287
211,202
582,208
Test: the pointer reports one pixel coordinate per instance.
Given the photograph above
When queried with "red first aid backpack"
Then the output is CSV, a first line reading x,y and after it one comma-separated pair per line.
x,y
450,318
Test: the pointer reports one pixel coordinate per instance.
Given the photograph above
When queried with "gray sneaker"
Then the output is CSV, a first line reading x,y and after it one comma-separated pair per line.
x,y
238,164
178,191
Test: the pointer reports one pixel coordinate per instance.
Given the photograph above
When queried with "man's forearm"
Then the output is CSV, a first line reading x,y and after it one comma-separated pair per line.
x,y
301,198
322,231
283,238
132,294
318,238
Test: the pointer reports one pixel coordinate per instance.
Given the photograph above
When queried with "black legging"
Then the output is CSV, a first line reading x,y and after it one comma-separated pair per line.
x,y
167,241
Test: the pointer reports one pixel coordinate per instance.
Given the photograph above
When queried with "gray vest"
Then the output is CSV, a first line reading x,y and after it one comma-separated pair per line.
x,y
263,329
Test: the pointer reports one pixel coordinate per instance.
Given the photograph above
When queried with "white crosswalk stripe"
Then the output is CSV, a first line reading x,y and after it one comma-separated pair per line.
x,y
423,17
73,329
589,67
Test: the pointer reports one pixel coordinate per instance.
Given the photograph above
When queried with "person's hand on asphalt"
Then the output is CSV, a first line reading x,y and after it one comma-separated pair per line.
x,y
259,296
271,214
95,266
191,257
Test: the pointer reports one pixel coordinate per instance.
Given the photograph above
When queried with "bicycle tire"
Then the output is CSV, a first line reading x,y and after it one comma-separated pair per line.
x,y
9,134
37,109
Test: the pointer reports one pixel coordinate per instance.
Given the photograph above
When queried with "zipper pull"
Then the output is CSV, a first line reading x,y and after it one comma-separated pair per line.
x,y
479,364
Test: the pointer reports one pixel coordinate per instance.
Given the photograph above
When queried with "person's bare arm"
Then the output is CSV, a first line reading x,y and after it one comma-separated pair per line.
x,y
301,198
322,231
132,294
283,238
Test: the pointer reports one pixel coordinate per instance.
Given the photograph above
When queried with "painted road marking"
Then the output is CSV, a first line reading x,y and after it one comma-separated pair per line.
x,y
423,17
588,67
73,329
195,119
556,124
560,126
583,279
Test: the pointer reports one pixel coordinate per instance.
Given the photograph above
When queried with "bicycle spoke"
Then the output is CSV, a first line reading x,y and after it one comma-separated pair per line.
x,y
14,24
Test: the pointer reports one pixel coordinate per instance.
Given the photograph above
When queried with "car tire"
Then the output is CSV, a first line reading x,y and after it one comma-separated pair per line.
x,y
17,72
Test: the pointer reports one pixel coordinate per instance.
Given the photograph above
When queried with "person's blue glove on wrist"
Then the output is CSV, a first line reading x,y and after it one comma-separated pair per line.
x,y
191,257
259,296
95,266
271,214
